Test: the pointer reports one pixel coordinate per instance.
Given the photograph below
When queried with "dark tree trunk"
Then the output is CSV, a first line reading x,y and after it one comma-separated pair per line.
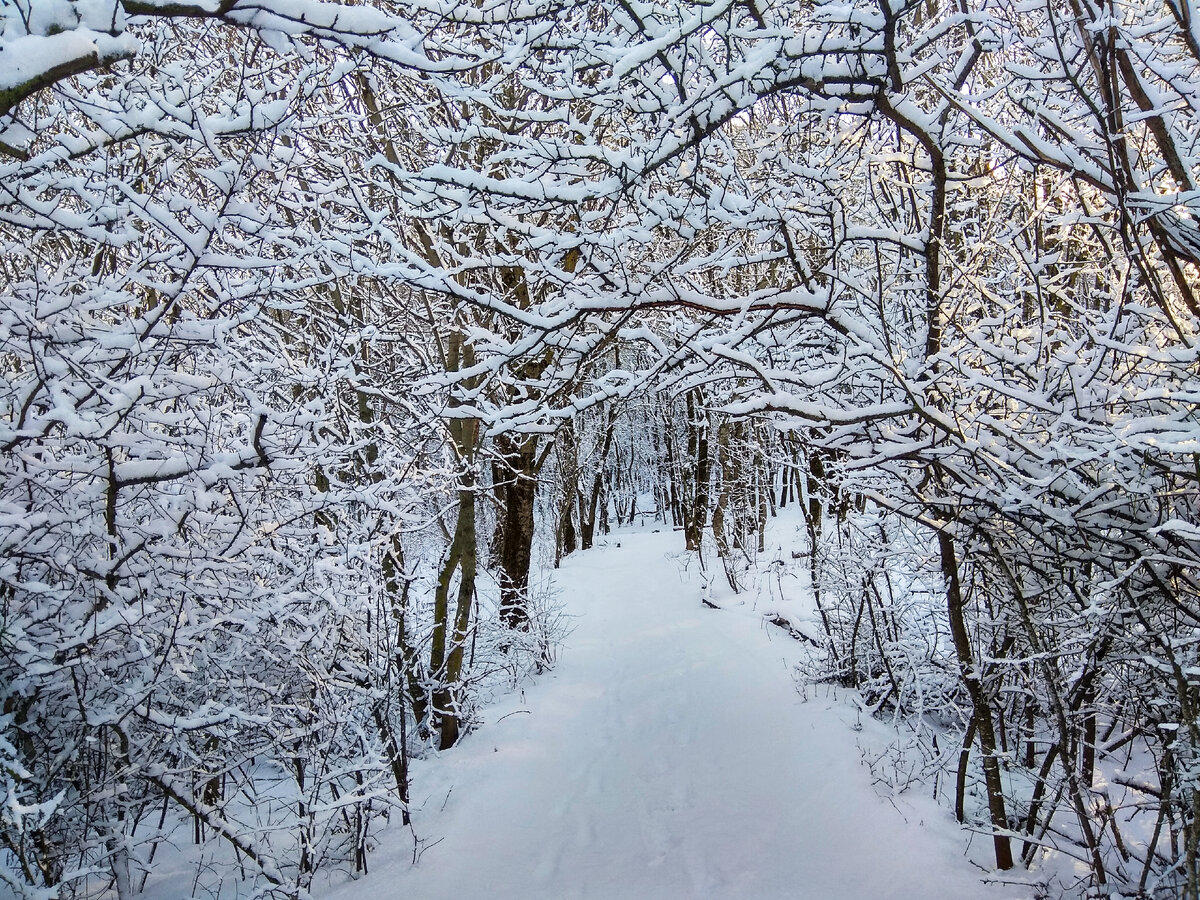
x,y
446,644
697,513
519,464
984,727
568,466
587,523
450,723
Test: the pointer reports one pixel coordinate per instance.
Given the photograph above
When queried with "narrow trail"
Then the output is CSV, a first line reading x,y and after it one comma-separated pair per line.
x,y
668,755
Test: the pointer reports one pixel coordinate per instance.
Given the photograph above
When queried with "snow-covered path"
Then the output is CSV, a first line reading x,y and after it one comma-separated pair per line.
x,y
668,755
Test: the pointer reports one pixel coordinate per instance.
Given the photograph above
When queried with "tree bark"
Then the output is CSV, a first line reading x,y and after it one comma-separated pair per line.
x,y
697,512
971,677
587,524
519,464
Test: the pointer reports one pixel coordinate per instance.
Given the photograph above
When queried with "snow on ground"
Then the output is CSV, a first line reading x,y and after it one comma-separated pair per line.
x,y
667,755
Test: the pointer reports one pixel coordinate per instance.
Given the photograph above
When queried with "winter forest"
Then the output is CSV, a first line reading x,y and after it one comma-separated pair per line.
x,y
329,329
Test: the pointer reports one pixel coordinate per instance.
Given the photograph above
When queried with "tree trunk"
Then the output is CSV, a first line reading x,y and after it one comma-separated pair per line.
x,y
730,475
697,512
519,462
450,725
568,465
972,680
588,523
445,656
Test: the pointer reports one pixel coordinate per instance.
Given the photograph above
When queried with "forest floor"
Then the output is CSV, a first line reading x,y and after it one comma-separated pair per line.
x,y
670,754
